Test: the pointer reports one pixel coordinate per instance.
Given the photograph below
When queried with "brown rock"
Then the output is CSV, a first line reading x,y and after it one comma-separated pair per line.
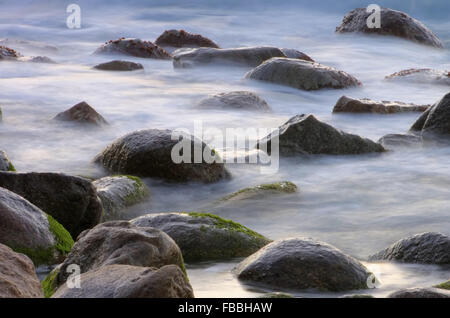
x,y
181,38
8,54
352,105
423,75
119,66
82,113
133,47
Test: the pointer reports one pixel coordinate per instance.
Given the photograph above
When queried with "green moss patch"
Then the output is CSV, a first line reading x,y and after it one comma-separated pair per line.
x,y
39,256
64,241
49,283
445,285
280,187
11,167
140,190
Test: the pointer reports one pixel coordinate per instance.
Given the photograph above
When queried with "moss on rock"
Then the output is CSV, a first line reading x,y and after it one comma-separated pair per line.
x,y
49,283
445,285
283,187
11,168
64,241
140,193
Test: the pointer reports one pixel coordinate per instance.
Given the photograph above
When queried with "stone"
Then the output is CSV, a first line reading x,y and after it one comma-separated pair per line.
x,y
133,47
37,59
118,65
7,53
82,113
182,38
420,293
5,163
240,100
262,191
436,120
295,54
364,105
423,75
400,140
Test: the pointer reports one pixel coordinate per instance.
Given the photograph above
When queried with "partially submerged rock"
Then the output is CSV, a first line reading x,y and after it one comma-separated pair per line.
x,y
394,23
420,293
301,74
400,140
118,65
426,248
133,47
262,191
242,100
304,134
28,230
364,105
303,263
124,281
118,193
7,53
37,59
148,153
17,276
72,201
182,38
82,113
436,120
204,236
423,75
5,163
295,54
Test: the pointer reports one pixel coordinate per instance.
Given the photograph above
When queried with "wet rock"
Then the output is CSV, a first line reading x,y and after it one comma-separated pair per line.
x,y
351,105
5,163
436,120
262,191
303,263
400,140
17,276
295,54
304,134
8,54
244,56
420,293
124,281
118,65
423,75
72,201
133,47
119,192
182,38
241,100
28,230
204,236
82,113
427,248
37,59
301,74
147,153
394,23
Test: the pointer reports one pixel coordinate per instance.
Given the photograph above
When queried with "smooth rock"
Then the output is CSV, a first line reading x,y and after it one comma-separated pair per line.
x,y
436,120
118,65
133,47
182,38
423,75
420,293
352,105
262,191
82,113
400,140
5,163
295,54
241,100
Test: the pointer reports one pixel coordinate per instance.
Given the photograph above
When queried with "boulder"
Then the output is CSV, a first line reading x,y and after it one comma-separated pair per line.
x,y
423,75
82,113
5,163
301,74
28,230
436,120
262,191
205,236
148,153
394,23
303,263
400,140
133,47
304,134
427,248
364,105
118,65
241,100
125,281
295,54
71,200
8,54
420,293
243,56
119,192
17,276
182,38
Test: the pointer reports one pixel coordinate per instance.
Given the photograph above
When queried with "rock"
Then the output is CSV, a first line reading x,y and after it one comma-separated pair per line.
x,y
1,115
357,296
445,285
295,54
244,56
118,193
420,293
400,140
17,276
181,38
204,236
120,242
5,163
28,230
304,134
424,75
118,65
82,113
147,153
394,23
124,281
71,200
276,295
241,100
133,47
303,263
262,191
427,248
8,54
351,105
37,59
301,74
435,121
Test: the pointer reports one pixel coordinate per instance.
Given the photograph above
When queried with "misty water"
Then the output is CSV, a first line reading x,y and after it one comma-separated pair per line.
x,y
359,204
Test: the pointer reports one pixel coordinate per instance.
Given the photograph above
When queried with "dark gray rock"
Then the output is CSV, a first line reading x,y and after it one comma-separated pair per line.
x,y
400,140
182,38
423,75
352,105
395,23
133,47
72,201
303,263
435,121
82,113
304,134
428,248
241,100
420,293
5,163
118,65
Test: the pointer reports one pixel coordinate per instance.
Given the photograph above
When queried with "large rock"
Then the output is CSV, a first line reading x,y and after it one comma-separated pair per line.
x,y
420,293
5,163
204,236
17,276
241,100
133,47
124,281
7,53
244,56
72,201
436,120
423,75
304,134
82,113
119,192
428,248
181,38
28,230
147,153
301,74
120,242
303,263
118,65
393,23
352,105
